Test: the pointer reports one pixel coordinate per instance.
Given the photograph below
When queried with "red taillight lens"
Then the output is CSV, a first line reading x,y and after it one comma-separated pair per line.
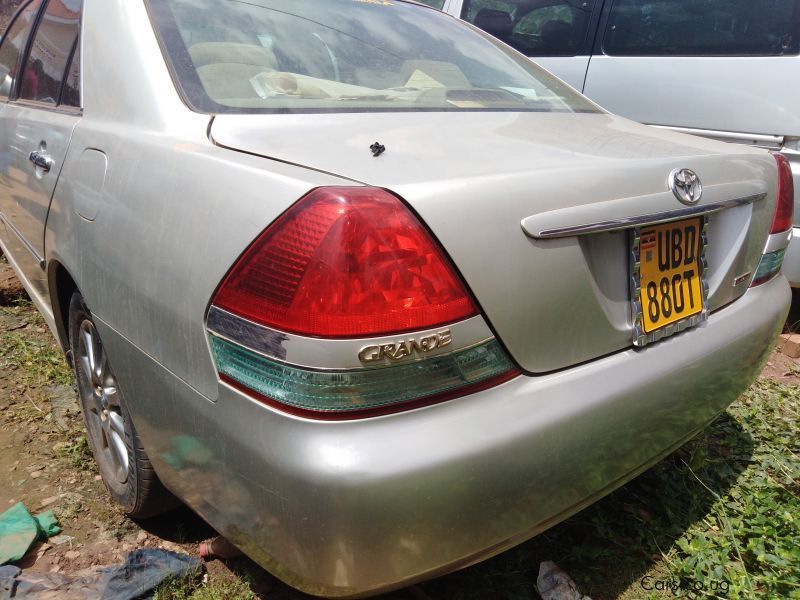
x,y
346,262
784,208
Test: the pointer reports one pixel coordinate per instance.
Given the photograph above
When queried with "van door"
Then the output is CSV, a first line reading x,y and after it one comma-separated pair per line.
x,y
37,126
556,34
729,68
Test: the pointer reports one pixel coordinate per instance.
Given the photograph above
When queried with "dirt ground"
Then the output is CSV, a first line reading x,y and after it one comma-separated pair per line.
x,y
45,461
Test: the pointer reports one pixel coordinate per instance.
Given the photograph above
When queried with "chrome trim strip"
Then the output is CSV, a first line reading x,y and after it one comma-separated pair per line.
x,y
640,337
334,355
62,109
778,241
39,259
246,333
744,277
736,137
648,219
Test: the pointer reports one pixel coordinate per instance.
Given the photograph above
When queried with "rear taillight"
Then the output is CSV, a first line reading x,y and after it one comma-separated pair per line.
x,y
772,261
346,262
784,207
355,269
769,267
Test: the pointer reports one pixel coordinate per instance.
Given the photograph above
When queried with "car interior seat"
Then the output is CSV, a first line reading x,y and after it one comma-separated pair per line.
x,y
225,68
557,36
495,22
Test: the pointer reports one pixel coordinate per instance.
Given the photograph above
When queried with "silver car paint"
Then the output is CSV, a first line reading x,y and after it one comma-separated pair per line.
x,y
571,292
349,508
703,92
709,94
28,129
358,506
739,99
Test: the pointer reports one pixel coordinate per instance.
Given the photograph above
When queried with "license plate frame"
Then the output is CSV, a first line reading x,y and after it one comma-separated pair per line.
x,y
644,332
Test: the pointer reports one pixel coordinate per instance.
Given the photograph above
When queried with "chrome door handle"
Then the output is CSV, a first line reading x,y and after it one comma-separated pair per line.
x,y
41,160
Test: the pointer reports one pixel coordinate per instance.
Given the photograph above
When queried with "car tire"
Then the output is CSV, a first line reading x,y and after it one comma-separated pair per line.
x,y
121,459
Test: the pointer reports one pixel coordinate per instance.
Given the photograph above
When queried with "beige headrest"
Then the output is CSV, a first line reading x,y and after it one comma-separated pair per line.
x,y
214,53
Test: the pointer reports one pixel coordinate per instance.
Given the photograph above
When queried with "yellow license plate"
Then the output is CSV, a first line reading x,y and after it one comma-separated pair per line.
x,y
669,273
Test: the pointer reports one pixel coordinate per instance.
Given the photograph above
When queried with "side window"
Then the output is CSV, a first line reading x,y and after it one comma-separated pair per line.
x,y
50,51
493,16
534,27
554,30
71,94
434,3
12,47
707,28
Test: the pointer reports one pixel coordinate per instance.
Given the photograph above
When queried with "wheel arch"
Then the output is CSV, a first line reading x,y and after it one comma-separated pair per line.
x,y
62,286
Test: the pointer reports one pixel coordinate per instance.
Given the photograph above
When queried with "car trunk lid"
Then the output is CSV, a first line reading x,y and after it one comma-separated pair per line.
x,y
489,183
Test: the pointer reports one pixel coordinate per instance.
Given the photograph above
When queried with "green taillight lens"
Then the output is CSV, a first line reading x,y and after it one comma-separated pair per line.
x,y
346,392
768,267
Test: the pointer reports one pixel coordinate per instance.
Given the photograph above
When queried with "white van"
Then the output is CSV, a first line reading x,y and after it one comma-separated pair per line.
x,y
724,69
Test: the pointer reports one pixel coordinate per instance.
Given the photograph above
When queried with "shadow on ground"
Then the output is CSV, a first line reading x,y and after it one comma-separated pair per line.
x,y
610,546
607,548
793,320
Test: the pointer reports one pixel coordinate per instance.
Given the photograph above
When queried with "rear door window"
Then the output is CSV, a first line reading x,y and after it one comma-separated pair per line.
x,y
534,27
13,45
71,94
703,28
50,51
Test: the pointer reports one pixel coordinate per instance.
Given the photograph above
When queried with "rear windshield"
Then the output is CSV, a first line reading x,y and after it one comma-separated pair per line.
x,y
345,55
703,28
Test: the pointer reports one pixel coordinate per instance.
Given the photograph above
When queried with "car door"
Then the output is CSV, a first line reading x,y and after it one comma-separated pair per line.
x,y
36,125
12,49
556,34
728,68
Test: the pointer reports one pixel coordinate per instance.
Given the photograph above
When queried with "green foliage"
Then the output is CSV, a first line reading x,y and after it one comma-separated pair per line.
x,y
219,589
78,452
751,534
41,362
721,512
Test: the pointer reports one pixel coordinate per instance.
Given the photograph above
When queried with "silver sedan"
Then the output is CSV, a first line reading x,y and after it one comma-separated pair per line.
x,y
370,292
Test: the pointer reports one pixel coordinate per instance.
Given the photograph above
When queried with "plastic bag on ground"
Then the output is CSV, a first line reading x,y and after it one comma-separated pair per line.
x,y
19,530
555,584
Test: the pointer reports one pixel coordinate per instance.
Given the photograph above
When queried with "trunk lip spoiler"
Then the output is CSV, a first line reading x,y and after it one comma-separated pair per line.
x,y
533,226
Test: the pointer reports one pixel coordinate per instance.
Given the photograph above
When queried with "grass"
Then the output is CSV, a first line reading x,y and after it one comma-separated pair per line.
x,y
190,589
750,537
41,361
720,518
78,452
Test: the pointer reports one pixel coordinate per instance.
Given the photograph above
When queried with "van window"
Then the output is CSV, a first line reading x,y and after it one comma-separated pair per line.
x,y
434,3
534,27
703,28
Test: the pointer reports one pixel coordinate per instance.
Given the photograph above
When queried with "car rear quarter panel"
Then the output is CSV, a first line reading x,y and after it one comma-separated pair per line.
x,y
173,211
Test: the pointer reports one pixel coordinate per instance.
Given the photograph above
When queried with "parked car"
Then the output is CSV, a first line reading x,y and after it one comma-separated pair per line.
x,y
373,294
723,69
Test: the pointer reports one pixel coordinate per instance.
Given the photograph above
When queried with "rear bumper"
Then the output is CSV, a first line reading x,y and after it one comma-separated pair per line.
x,y
352,508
